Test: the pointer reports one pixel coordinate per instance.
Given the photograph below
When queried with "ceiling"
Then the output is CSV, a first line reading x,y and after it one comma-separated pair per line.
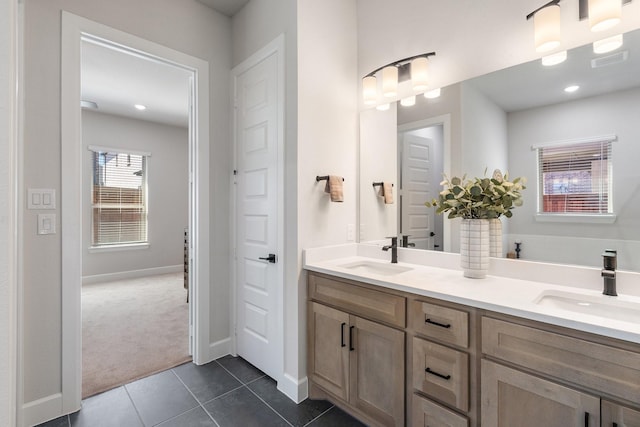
x,y
116,81
226,7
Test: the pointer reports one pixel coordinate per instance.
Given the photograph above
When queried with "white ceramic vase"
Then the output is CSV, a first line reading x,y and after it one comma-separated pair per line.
x,y
474,247
495,238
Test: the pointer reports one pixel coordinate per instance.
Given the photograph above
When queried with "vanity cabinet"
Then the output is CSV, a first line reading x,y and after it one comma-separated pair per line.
x,y
357,362
615,415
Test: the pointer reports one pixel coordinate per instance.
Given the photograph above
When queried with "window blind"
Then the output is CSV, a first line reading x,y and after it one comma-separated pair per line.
x,y
119,201
575,178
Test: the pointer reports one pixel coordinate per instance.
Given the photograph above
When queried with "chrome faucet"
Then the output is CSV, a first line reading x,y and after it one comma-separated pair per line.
x,y
610,263
394,249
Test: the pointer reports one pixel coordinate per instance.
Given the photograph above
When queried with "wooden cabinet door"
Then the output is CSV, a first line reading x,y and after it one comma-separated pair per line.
x,y
614,415
329,349
377,371
429,414
514,398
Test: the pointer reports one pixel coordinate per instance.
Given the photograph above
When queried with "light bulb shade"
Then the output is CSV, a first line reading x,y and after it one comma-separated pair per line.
x,y
420,73
409,101
369,90
604,14
432,94
390,81
546,24
383,107
554,58
607,45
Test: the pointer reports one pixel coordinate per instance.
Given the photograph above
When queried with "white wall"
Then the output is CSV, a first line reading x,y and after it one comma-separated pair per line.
x,y
7,218
615,113
167,184
189,27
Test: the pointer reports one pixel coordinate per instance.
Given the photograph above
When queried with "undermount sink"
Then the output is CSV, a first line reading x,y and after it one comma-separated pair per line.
x,y
609,307
373,267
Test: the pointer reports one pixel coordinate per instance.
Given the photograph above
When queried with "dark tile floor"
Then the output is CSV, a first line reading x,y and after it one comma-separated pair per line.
x,y
226,392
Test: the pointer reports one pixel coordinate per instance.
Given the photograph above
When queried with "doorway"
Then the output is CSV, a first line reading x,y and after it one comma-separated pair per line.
x,y
75,31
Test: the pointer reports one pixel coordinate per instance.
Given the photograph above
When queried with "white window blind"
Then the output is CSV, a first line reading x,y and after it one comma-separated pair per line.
x,y
575,178
119,201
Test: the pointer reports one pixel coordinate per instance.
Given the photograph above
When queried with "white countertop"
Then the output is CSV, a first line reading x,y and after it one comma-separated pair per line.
x,y
499,293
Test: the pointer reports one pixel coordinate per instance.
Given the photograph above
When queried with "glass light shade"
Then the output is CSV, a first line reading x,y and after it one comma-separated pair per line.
x,y
604,14
369,90
420,73
607,45
409,101
383,107
546,25
554,58
435,93
390,81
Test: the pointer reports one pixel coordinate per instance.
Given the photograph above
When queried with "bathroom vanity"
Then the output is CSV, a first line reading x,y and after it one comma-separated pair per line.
x,y
409,344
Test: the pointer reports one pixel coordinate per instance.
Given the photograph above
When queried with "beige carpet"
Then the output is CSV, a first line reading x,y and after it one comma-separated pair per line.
x,y
131,329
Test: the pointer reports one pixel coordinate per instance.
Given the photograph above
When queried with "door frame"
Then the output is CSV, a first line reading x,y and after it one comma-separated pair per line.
x,y
275,47
445,121
74,28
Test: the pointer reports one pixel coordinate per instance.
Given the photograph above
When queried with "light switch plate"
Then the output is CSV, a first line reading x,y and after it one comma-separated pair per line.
x,y
41,198
46,224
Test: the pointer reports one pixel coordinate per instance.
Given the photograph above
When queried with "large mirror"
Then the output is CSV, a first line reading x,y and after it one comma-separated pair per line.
x,y
494,122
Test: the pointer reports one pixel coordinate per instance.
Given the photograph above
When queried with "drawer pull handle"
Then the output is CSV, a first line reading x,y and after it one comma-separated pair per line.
x,y
351,347
615,424
442,325
429,371
342,344
586,419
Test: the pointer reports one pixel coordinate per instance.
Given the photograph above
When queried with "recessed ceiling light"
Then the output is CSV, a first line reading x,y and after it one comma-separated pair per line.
x,y
140,107
432,94
383,107
572,88
554,58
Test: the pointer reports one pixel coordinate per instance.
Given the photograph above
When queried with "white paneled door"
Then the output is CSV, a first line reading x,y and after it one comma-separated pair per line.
x,y
258,271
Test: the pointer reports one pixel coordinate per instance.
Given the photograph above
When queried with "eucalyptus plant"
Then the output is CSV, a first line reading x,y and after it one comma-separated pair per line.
x,y
483,198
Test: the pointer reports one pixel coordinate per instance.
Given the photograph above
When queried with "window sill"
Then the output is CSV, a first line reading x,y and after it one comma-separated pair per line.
x,y
576,218
118,248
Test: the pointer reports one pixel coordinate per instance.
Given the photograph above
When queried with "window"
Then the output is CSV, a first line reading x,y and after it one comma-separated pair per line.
x,y
575,178
119,201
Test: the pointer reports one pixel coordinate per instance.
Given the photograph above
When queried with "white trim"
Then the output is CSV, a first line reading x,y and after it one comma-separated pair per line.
x,y
41,410
131,274
118,248
576,218
603,138
220,348
275,47
74,29
296,390
96,148
445,121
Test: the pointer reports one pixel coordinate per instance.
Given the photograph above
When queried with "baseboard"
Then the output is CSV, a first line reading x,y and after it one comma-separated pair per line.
x,y
121,275
219,348
42,410
296,390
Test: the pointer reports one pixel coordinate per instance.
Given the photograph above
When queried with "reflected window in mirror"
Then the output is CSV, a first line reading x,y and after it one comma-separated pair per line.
x,y
575,178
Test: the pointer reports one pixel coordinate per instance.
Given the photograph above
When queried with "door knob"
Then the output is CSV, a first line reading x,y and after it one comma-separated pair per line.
x,y
271,258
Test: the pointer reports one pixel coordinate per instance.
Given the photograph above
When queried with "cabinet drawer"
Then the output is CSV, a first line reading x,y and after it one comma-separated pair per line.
x,y
359,300
429,414
442,323
441,372
608,369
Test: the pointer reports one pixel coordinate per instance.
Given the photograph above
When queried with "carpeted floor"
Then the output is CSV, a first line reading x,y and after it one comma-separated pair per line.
x,y
131,329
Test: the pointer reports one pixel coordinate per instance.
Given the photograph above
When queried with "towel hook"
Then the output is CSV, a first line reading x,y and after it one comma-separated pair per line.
x,y
378,184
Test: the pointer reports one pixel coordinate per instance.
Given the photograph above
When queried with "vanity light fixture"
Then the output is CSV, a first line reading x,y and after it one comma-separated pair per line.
x,y
432,94
140,107
409,101
554,58
604,14
415,68
546,25
571,89
383,107
608,45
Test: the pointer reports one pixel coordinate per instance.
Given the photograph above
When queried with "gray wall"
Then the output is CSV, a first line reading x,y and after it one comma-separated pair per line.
x,y
616,113
187,26
167,197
